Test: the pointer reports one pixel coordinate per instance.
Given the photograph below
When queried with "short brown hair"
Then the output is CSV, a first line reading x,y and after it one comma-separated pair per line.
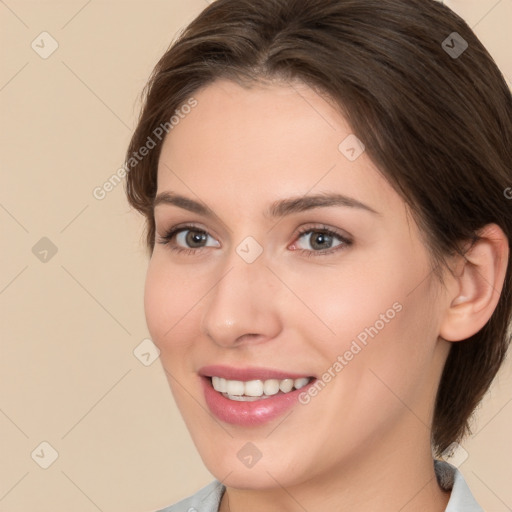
x,y
438,125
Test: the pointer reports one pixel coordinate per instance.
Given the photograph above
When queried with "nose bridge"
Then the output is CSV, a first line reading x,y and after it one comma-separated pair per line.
x,y
243,298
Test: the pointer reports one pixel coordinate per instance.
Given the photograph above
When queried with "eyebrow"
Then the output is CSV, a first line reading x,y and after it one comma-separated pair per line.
x,y
279,208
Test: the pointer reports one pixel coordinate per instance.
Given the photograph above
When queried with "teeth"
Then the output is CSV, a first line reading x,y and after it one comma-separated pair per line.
x,y
256,389
271,387
286,385
219,384
300,383
235,387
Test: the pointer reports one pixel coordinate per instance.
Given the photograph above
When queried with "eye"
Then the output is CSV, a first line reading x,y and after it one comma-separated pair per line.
x,y
190,239
321,240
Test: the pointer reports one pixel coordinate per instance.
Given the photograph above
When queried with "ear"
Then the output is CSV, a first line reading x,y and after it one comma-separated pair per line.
x,y
476,286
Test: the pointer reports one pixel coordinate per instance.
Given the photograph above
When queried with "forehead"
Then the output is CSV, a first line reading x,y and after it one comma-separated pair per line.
x,y
267,140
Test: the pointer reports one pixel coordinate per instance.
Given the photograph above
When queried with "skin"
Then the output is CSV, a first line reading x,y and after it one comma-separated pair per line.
x,y
363,443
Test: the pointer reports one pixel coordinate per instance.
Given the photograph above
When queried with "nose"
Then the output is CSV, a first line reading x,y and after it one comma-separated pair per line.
x,y
244,304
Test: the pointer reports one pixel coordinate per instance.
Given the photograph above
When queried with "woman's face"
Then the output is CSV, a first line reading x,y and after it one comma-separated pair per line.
x,y
277,291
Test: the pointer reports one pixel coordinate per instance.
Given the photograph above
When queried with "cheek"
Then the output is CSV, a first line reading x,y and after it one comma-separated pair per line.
x,y
377,315
387,342
168,302
345,302
169,309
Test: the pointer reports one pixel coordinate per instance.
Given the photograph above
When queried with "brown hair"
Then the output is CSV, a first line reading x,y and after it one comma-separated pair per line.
x,y
437,124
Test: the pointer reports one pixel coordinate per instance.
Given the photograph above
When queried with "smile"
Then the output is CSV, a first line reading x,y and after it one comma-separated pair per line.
x,y
256,389
251,396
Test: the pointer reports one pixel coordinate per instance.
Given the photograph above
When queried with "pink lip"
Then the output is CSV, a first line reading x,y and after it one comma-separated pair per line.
x,y
254,413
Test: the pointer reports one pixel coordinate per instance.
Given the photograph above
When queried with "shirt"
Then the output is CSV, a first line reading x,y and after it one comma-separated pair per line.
x,y
449,478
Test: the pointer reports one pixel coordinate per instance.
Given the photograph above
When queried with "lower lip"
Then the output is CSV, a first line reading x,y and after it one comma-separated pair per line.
x,y
249,414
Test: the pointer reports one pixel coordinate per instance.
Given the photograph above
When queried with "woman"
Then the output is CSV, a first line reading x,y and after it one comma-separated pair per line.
x,y
329,284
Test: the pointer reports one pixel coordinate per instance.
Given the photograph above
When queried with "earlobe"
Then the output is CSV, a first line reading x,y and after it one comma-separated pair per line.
x,y
477,285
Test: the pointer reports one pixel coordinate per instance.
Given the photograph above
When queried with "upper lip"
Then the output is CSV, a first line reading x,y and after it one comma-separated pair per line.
x,y
248,373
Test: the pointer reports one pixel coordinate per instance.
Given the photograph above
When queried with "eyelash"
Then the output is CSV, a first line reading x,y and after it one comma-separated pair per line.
x,y
346,242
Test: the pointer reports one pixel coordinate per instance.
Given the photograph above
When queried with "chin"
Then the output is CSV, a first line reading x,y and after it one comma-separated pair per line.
x,y
252,479
231,470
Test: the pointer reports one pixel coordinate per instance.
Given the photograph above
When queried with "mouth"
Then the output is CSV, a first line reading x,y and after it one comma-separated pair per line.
x,y
253,390
251,396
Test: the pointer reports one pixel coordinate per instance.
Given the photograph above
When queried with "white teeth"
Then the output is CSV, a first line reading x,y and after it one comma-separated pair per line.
x,y
219,384
223,385
271,387
300,383
235,387
255,389
244,398
286,385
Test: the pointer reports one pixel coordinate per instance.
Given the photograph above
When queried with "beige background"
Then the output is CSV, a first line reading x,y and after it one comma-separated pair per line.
x,y
69,326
